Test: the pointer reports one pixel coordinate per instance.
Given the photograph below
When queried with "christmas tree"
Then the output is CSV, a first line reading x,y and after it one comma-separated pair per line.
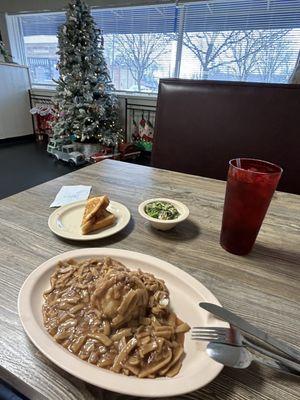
x,y
87,108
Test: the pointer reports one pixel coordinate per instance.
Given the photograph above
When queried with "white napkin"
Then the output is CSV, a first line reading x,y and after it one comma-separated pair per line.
x,y
69,194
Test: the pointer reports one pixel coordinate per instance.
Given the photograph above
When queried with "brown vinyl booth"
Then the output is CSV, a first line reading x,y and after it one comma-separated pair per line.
x,y
201,125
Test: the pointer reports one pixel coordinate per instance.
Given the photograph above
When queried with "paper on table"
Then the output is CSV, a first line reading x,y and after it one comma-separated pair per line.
x,y
69,194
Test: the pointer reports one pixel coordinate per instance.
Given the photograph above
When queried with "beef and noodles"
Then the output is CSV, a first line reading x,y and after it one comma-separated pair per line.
x,y
115,318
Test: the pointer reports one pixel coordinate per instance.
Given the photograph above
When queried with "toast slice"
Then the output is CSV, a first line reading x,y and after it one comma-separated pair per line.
x,y
106,219
93,206
96,216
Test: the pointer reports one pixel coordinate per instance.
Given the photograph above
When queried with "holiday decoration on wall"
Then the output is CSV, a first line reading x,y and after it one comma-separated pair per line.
x,y
148,131
142,126
87,108
135,134
4,55
44,115
142,132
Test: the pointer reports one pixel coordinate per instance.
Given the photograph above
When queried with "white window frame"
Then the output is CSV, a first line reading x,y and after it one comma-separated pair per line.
x,y
16,41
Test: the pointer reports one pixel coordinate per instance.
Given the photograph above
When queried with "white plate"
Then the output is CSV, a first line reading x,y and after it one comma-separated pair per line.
x,y
185,294
66,221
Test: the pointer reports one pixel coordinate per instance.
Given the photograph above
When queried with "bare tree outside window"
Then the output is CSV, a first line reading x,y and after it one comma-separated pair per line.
x,y
243,55
211,49
276,58
139,53
255,54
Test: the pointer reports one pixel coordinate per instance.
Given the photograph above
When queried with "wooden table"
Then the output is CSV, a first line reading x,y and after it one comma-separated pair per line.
x,y
262,287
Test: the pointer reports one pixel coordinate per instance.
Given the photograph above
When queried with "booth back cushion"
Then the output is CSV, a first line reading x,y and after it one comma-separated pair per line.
x,y
201,125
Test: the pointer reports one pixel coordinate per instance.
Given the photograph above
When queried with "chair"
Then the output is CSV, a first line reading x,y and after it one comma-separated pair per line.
x,y
201,125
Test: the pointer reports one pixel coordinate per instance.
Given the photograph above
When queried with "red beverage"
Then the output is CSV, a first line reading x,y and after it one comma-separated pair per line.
x,y
250,187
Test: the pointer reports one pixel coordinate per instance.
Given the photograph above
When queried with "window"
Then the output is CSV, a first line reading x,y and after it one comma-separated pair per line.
x,y
218,39
148,32
241,40
140,45
40,44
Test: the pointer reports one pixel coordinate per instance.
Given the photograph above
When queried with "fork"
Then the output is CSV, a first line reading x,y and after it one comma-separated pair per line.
x,y
234,337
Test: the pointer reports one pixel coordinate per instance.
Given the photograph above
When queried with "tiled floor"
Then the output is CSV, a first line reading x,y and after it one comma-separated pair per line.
x,y
25,165
28,164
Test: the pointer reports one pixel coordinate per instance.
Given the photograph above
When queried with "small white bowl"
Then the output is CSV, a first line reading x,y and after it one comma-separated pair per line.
x,y
165,224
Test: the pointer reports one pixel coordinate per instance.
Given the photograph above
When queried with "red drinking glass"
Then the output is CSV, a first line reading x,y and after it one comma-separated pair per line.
x,y
250,187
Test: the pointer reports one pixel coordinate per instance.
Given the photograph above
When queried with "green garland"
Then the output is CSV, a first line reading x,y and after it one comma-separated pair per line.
x,y
4,53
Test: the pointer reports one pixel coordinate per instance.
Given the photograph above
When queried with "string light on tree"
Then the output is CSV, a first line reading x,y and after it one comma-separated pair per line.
x,y
87,107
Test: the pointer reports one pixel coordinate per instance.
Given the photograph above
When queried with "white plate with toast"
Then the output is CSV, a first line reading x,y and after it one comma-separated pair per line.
x,y
67,221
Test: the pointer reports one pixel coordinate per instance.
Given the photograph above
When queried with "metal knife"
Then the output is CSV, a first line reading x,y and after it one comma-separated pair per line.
x,y
245,326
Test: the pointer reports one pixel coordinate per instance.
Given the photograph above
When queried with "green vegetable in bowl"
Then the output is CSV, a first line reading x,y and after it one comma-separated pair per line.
x,y
161,210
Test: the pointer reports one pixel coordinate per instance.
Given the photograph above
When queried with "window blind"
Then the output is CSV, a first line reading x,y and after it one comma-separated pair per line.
x,y
256,40
245,40
224,15
146,19
42,24
137,20
140,44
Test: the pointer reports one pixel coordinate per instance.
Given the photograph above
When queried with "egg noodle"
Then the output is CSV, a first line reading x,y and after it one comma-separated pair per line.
x,y
114,317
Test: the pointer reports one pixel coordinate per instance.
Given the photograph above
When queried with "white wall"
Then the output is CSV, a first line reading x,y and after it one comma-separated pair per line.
x,y
14,6
15,118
